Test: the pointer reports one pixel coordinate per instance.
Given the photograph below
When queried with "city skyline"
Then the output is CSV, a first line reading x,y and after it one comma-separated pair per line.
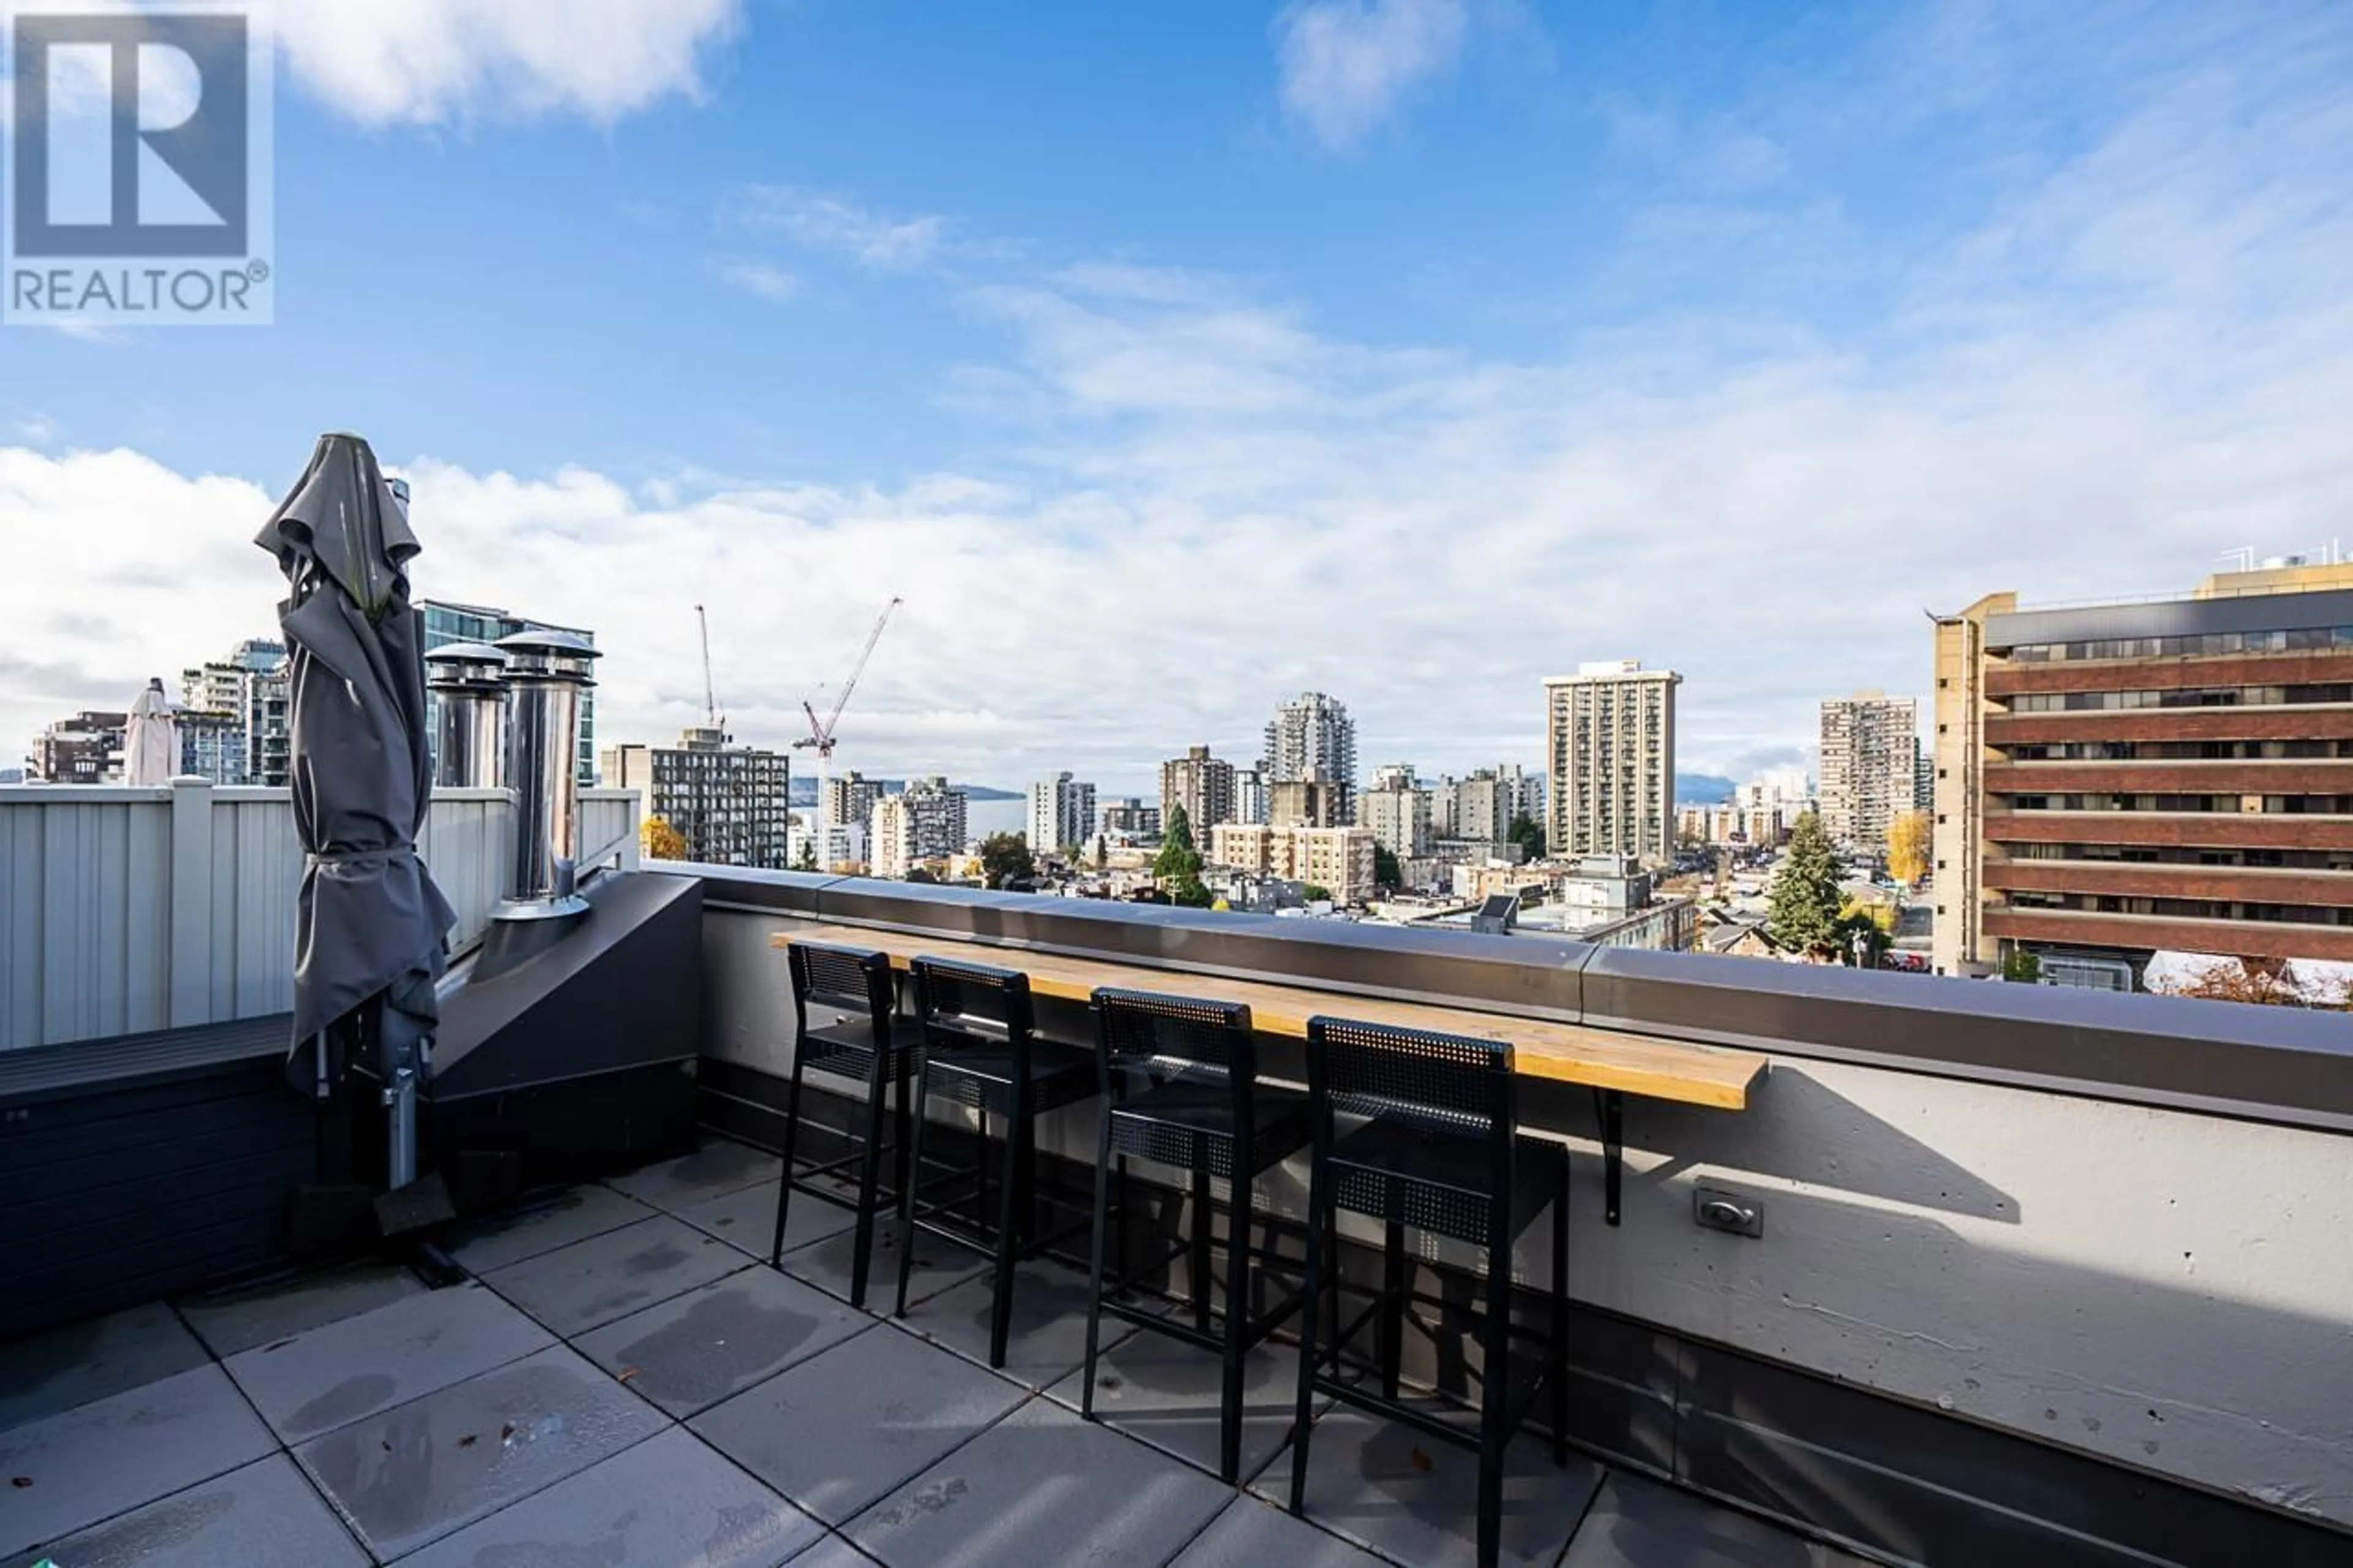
x,y
1573,334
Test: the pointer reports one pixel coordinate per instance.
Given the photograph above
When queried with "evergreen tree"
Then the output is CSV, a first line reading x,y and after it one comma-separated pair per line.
x,y
1386,869
1803,910
1178,863
1527,831
1003,858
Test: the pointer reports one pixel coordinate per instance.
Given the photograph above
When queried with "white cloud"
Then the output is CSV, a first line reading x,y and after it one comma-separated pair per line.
x,y
821,222
761,280
1346,65
426,62
1200,499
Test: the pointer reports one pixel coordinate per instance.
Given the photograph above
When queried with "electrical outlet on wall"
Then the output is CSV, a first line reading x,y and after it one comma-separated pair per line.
x,y
1720,1209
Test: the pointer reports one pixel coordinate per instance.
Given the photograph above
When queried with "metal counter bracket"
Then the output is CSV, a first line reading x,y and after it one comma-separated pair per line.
x,y
1610,1107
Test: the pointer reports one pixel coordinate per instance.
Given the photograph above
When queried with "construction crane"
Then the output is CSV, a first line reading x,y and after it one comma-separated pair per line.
x,y
821,736
710,696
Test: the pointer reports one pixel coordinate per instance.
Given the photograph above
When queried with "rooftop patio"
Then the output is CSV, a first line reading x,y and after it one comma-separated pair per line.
x,y
2036,1277
625,1385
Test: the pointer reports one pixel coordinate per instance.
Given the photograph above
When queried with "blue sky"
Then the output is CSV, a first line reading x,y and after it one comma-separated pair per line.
x,y
1171,359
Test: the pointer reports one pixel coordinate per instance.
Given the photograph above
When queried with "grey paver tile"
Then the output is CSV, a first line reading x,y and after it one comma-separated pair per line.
x,y
939,1265
418,1471
1636,1523
746,1218
1049,1342
1041,1487
241,1319
668,1500
1168,1394
576,1287
843,1428
95,1460
719,1166
1413,1498
264,1515
1254,1534
578,1214
53,1372
693,1351
311,1382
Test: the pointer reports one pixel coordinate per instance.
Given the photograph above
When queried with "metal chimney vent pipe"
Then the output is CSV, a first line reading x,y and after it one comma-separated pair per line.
x,y
546,673
469,683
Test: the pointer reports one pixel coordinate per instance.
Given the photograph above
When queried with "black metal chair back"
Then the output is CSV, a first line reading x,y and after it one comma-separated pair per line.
x,y
962,1003
846,980
1440,1084
1173,1036
1144,1038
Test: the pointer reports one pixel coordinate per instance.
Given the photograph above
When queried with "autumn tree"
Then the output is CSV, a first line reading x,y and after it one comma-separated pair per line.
x,y
1908,848
1802,908
657,840
1864,932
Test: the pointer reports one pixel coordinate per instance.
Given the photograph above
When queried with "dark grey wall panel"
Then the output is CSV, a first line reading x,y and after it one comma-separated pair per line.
x,y
139,1182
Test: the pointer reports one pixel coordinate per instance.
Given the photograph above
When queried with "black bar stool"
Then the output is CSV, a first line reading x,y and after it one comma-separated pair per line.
x,y
1178,1079
1440,1150
875,1047
980,1050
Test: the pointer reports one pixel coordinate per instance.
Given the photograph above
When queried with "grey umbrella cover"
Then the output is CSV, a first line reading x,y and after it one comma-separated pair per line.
x,y
368,918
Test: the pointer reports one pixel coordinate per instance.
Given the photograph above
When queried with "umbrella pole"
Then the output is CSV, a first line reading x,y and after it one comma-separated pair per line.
x,y
400,1127
335,1161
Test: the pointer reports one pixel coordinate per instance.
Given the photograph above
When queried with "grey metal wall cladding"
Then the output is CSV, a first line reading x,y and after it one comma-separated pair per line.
x,y
149,908
2172,618
2269,1064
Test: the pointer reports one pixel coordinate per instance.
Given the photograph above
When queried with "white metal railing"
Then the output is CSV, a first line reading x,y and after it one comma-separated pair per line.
x,y
124,910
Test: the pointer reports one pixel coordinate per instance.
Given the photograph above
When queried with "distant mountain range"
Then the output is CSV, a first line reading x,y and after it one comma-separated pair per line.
x,y
1697,789
804,790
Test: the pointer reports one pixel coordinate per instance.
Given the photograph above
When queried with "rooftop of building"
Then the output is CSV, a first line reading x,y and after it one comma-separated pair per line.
x,y
2041,1277
2276,576
625,1382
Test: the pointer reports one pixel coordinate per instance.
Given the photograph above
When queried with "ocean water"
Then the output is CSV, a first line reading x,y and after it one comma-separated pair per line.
x,y
983,818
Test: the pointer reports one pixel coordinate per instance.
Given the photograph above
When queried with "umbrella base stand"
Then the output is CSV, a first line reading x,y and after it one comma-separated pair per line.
x,y
420,1205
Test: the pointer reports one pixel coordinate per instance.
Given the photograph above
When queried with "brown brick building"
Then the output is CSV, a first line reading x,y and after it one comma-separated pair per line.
x,y
2119,780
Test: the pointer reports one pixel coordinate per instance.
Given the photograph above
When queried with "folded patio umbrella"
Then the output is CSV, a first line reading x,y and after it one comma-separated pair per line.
x,y
151,738
369,923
